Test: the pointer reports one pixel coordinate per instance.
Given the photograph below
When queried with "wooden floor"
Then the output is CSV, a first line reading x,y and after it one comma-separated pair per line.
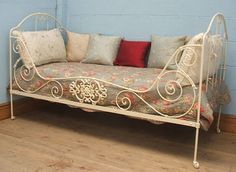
x,y
66,139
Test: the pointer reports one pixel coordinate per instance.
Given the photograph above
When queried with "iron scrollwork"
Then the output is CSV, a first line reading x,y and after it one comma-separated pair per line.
x,y
88,91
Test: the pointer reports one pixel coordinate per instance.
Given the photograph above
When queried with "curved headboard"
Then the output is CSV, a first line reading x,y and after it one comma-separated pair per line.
x,y
218,20
36,22
32,22
216,27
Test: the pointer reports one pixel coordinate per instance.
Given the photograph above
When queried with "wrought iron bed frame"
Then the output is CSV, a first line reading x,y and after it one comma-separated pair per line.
x,y
89,91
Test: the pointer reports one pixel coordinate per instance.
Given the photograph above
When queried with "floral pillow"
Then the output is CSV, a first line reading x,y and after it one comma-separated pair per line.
x,y
102,49
77,46
41,47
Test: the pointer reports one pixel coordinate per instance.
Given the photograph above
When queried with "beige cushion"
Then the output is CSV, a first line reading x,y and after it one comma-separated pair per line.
x,y
190,61
43,47
187,39
215,58
162,49
211,63
77,46
102,49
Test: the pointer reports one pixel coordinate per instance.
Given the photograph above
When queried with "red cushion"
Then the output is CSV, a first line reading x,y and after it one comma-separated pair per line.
x,y
132,53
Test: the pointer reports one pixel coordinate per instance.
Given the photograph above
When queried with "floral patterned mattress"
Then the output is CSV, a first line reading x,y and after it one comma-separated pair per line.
x,y
106,94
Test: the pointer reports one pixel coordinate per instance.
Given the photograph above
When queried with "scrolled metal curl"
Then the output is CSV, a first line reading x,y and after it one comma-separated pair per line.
x,y
57,90
125,102
27,73
17,46
173,90
189,57
170,87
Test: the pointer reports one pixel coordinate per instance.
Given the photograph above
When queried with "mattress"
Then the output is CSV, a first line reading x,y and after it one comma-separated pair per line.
x,y
117,78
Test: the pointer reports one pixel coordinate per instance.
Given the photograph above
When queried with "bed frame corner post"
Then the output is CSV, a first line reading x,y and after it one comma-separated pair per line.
x,y
12,112
197,123
225,50
195,162
10,70
218,120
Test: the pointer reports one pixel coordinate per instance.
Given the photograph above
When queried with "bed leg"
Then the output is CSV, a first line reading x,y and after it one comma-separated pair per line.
x,y
218,120
12,112
195,162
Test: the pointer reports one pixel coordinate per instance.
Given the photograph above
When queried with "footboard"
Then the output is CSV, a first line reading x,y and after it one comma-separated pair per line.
x,y
169,84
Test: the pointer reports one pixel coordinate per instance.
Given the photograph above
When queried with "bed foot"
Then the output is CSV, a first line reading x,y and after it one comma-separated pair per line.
x,y
12,114
218,120
196,164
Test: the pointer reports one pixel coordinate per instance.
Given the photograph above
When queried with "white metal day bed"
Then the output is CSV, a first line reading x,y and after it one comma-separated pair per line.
x,y
96,88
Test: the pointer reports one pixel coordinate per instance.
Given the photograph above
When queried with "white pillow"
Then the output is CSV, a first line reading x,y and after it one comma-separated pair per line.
x,y
77,46
102,49
43,47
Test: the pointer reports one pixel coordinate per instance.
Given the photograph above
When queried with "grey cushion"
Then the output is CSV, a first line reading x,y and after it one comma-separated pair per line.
x,y
102,49
162,49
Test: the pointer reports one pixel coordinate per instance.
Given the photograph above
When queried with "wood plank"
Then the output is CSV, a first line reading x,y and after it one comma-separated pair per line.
x,y
66,139
24,105
228,123
4,111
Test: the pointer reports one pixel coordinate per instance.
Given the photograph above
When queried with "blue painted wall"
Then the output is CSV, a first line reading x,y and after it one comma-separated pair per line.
x,y
134,19
138,19
11,13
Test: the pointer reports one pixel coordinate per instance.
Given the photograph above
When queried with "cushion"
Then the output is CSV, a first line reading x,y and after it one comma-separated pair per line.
x,y
77,46
43,47
132,53
187,39
162,49
102,49
215,59
190,62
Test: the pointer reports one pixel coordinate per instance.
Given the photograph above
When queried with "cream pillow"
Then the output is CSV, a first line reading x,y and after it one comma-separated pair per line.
x,y
212,61
216,57
43,47
190,62
77,46
102,49
187,39
162,49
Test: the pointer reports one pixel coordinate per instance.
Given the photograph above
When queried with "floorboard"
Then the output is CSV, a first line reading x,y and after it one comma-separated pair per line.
x,y
66,139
